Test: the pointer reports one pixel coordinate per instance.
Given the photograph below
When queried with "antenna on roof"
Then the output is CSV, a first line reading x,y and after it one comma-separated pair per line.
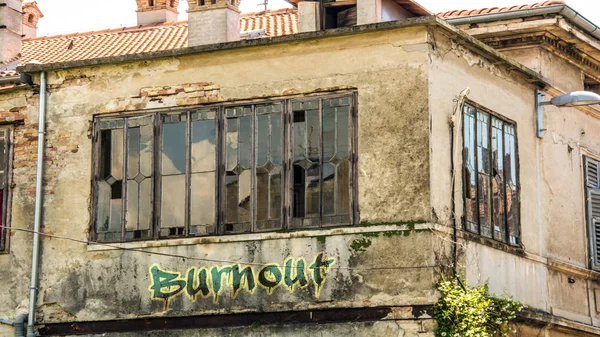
x,y
265,3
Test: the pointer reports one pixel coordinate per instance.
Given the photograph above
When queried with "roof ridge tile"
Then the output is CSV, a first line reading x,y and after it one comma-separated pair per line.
x,y
470,12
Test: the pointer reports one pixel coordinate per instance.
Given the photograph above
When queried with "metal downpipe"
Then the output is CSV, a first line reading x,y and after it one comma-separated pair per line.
x,y
20,323
35,255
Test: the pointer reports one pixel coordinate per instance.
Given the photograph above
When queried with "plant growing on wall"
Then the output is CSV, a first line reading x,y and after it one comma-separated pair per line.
x,y
472,311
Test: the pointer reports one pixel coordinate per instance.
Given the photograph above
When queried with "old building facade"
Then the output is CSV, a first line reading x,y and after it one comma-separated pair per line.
x,y
309,175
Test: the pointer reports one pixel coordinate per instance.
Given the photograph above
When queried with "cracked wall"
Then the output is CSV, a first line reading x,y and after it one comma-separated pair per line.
x,y
389,71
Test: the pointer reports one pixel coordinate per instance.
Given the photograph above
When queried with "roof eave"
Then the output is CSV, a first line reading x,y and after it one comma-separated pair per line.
x,y
473,43
569,13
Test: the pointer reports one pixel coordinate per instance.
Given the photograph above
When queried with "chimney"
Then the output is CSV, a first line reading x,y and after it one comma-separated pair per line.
x,y
11,29
213,21
327,14
31,16
156,11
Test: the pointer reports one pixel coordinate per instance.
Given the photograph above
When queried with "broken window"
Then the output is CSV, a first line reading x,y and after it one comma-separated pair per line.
x,y
490,176
224,169
5,143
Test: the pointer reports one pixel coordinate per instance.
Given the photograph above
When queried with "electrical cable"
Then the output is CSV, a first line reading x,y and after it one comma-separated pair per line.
x,y
184,257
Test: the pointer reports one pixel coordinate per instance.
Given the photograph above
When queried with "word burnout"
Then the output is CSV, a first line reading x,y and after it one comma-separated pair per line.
x,y
207,282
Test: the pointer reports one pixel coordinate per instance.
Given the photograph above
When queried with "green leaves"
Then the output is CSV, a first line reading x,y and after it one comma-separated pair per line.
x,y
472,311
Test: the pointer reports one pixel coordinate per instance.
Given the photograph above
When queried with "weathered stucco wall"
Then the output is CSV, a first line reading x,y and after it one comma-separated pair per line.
x,y
550,272
18,109
389,71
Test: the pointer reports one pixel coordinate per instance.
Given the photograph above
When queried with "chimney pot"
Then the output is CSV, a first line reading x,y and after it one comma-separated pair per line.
x,y
156,11
213,21
31,16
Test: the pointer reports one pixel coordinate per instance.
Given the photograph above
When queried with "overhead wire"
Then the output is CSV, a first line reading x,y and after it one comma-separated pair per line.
x,y
186,257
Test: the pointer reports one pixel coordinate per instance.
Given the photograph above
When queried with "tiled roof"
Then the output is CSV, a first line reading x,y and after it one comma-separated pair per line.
x,y
274,22
491,10
8,73
140,39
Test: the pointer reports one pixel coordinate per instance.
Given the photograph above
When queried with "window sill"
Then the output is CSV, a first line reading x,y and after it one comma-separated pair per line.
x,y
356,229
505,247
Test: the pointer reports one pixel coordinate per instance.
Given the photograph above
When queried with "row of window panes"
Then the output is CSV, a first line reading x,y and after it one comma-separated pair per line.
x,y
185,183
490,176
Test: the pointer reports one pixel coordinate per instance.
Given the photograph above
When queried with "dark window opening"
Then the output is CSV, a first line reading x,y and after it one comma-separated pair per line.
x,y
590,84
337,14
151,3
4,190
30,18
490,176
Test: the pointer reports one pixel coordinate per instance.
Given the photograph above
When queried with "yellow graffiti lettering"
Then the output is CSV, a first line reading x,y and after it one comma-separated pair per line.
x,y
205,282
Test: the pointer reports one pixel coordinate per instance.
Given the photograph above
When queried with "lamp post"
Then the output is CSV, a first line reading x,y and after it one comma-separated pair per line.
x,y
577,98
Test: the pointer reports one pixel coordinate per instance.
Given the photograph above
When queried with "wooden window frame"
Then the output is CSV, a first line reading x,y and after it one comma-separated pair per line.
x,y
287,189
7,195
491,115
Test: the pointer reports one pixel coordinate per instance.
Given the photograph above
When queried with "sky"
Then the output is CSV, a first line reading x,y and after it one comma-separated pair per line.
x,y
67,16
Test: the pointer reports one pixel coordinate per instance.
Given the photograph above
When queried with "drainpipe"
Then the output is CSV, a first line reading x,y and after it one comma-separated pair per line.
x,y
20,323
455,127
35,255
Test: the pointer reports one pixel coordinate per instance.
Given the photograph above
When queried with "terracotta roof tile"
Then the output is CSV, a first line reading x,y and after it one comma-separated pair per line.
x,y
274,22
8,73
471,12
141,39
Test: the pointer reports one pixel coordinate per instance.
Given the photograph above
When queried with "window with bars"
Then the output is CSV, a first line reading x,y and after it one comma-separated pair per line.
x,y
490,166
234,168
592,198
5,145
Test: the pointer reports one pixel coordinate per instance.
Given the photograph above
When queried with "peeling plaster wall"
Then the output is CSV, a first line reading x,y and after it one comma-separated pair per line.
x,y
388,69
553,227
18,107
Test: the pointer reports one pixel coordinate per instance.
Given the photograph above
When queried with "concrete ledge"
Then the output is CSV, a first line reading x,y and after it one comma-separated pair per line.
x,y
316,233
547,321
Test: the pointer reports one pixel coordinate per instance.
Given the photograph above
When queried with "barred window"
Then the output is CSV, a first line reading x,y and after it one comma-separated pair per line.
x,y
490,167
234,168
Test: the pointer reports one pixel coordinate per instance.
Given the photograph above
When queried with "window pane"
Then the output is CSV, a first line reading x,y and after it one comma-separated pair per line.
x,y
203,203
498,189
202,217
268,162
470,175
336,163
203,146
110,186
173,148
306,165
512,196
238,154
483,165
138,214
173,181
172,215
